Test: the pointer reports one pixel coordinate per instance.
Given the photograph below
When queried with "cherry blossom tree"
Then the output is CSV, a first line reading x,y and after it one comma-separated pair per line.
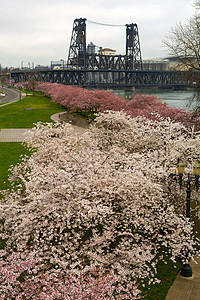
x,y
153,108
23,278
106,201
75,97
79,99
103,200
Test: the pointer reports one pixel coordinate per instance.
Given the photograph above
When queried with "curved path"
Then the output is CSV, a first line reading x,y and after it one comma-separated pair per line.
x,y
18,135
56,118
11,95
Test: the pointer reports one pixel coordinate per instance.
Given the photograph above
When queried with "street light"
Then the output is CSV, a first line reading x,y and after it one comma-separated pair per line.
x,y
197,174
186,269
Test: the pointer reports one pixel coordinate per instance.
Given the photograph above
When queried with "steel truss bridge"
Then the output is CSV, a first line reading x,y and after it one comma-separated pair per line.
x,y
106,71
110,78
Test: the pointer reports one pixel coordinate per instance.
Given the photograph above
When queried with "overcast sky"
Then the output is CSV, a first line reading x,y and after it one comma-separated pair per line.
x,y
40,30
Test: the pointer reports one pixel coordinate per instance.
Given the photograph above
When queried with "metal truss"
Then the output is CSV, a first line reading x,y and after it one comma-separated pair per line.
x,y
79,58
77,50
109,62
133,51
110,78
4,77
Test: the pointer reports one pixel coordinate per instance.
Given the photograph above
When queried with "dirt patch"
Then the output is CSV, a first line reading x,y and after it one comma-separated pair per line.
x,y
78,121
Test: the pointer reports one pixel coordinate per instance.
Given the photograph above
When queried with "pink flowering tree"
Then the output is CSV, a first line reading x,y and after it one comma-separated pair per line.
x,y
26,278
75,98
153,108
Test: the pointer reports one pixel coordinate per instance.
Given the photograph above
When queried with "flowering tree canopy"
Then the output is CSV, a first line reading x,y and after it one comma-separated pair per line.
x,y
101,200
99,209
24,278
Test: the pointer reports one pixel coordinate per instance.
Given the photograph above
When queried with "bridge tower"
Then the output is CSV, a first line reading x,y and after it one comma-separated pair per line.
x,y
77,50
79,58
133,51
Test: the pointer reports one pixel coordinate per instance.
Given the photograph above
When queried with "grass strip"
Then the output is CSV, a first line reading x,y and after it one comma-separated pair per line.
x,y
29,110
9,155
167,274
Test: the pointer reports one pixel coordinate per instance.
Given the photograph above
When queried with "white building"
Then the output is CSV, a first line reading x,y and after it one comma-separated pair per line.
x,y
155,64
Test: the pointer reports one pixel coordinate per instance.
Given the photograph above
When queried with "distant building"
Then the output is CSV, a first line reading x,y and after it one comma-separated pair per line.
x,y
58,64
39,67
176,64
107,51
91,48
155,65
14,69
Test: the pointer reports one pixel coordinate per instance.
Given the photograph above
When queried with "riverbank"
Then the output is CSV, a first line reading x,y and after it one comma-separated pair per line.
x,y
173,98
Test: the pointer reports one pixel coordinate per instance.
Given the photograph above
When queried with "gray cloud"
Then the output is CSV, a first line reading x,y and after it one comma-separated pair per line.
x,y
40,30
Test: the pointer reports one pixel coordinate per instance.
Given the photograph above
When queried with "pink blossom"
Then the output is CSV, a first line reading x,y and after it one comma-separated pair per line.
x,y
23,277
77,98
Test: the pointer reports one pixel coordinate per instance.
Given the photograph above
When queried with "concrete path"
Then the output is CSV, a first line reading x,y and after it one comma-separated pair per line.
x,y
18,135
186,288
56,118
12,135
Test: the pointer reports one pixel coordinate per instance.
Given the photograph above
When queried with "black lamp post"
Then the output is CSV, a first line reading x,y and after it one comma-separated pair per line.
x,y
186,269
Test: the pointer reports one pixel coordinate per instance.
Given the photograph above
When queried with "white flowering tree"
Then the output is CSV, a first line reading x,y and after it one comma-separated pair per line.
x,y
103,200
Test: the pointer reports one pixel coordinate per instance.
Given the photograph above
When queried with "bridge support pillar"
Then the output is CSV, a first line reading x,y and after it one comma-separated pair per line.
x,y
130,89
129,92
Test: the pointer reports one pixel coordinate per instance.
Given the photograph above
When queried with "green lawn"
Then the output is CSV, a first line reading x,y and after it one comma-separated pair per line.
x,y
29,110
22,114
167,274
9,155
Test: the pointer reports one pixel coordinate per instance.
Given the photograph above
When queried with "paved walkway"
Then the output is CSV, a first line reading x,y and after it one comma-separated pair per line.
x,y
186,288
56,118
12,135
18,135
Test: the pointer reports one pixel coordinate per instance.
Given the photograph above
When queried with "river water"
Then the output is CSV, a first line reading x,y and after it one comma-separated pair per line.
x,y
179,99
